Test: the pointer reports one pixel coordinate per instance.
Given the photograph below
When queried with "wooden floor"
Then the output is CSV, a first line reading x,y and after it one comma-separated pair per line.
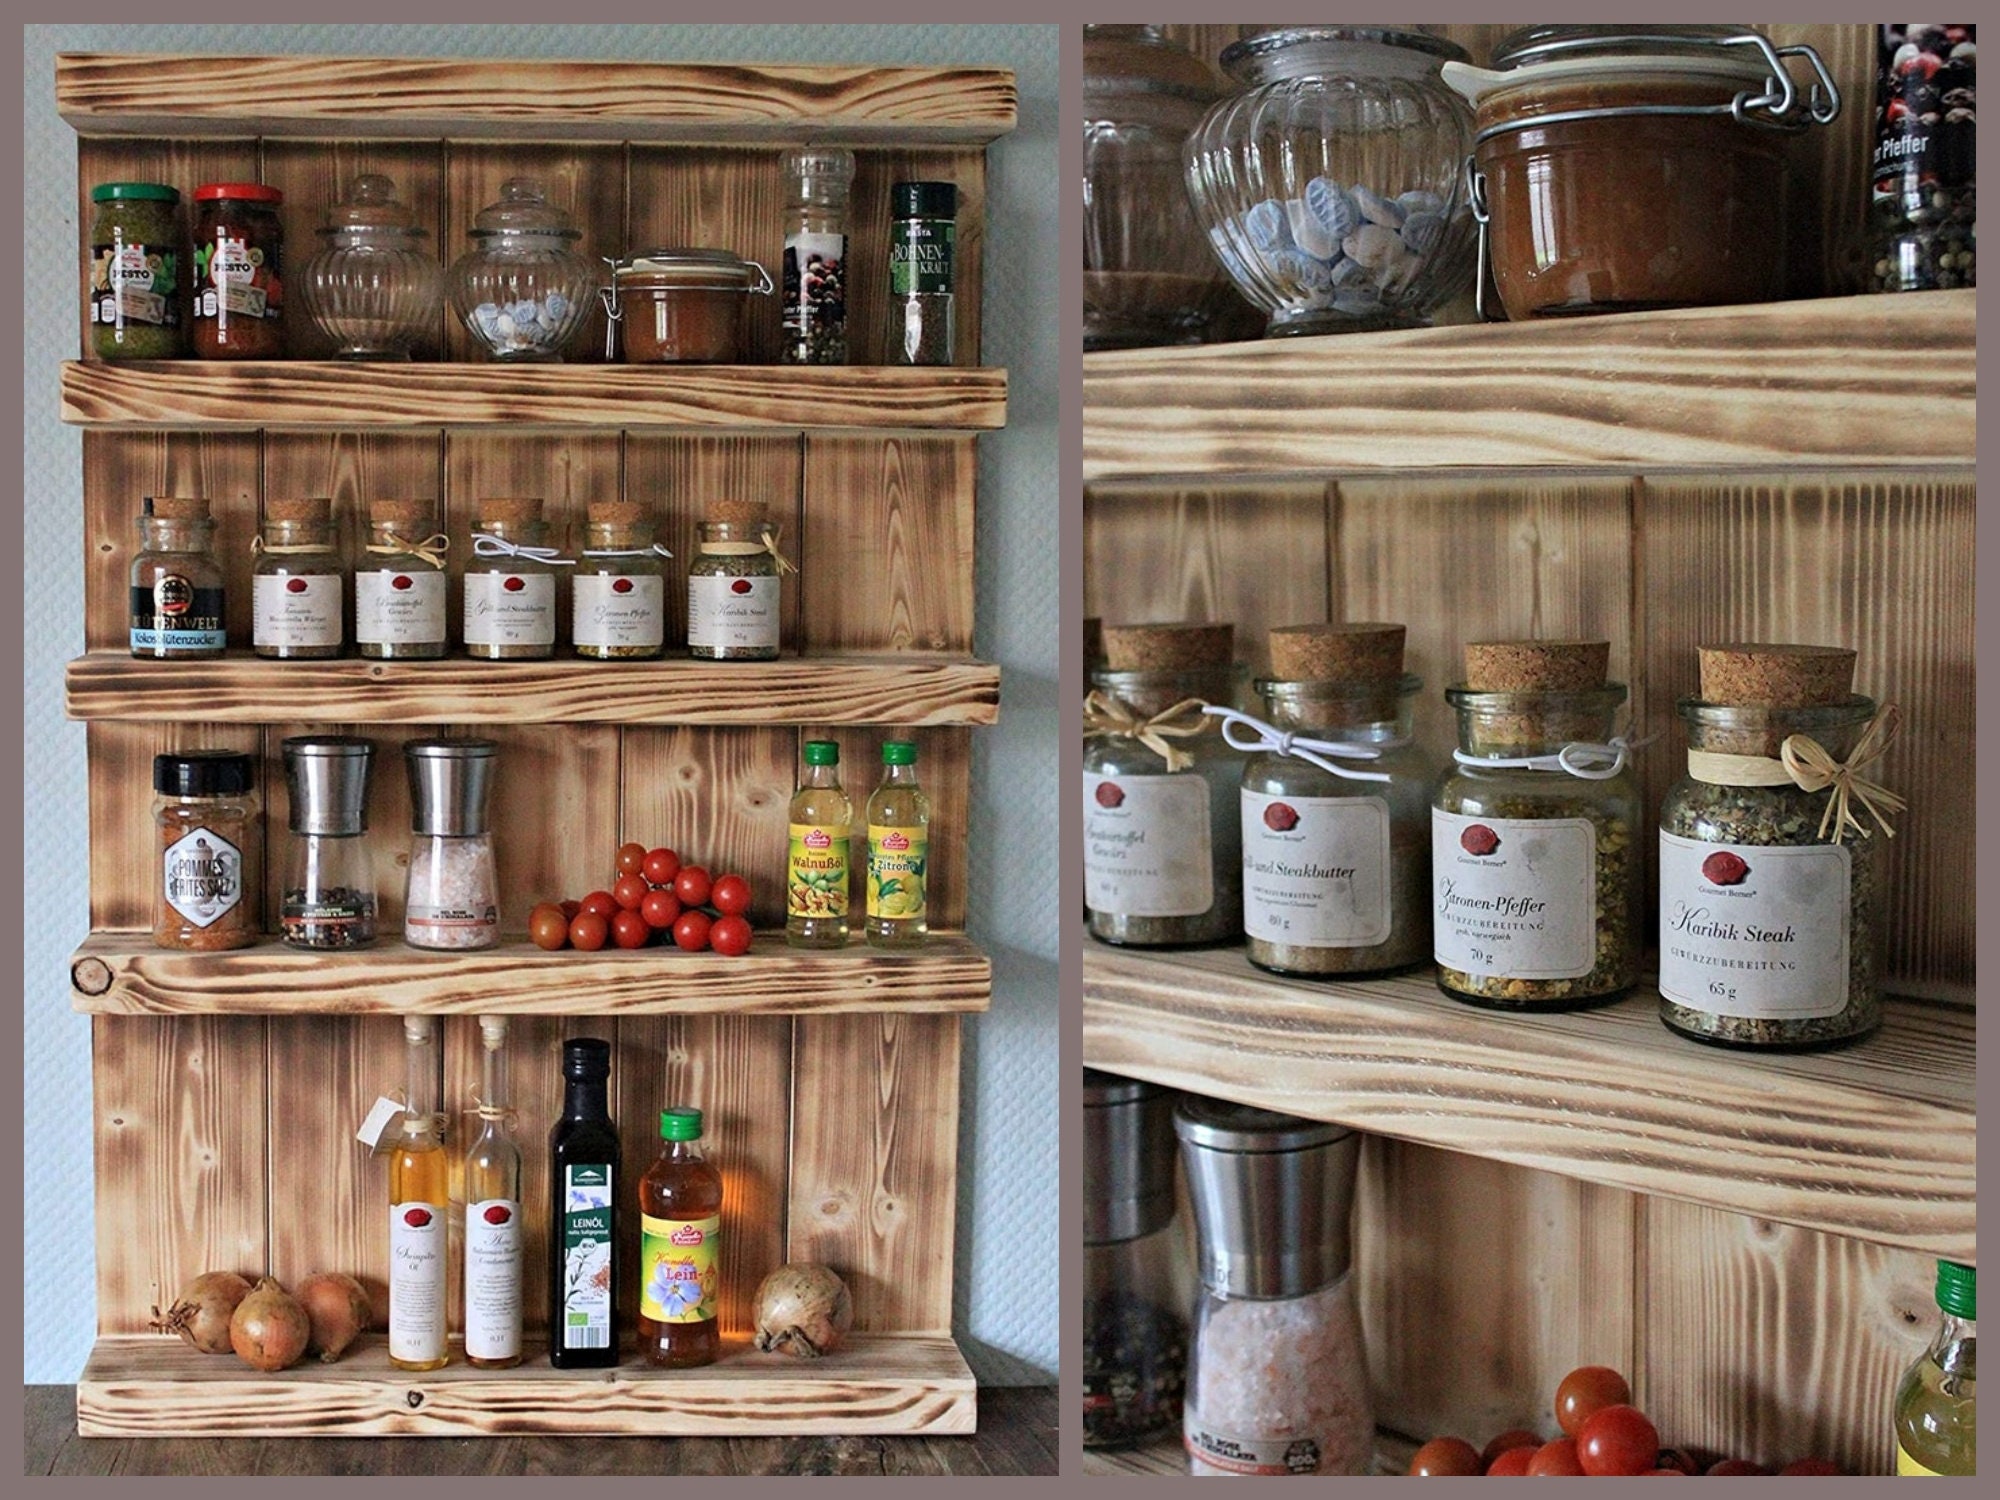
x,y
1017,1435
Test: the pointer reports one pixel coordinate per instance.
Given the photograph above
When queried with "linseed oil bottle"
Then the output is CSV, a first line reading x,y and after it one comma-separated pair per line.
x,y
680,1208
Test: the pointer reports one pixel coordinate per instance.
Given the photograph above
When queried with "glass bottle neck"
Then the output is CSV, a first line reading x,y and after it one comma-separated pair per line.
x,y
822,776
586,1099
736,531
608,538
297,534
386,534
681,1151
1951,1346
421,1096
493,1081
899,775
525,533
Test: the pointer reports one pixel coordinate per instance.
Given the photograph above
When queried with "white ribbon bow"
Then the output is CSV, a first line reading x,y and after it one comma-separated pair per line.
x,y
627,552
1581,758
493,546
1326,754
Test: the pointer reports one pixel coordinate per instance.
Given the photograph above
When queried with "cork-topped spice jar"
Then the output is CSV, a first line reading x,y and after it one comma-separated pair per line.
x,y
734,584
1162,846
1534,881
1336,867
618,606
176,593
1768,927
510,583
399,587
299,585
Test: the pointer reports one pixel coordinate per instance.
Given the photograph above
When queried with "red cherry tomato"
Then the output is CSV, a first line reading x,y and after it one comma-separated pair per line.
x,y
1811,1466
1445,1457
1512,1463
548,926
691,885
630,891
1731,1466
661,866
588,930
691,931
631,859
601,902
1586,1389
660,909
570,908
1555,1460
1618,1440
729,935
730,895
1513,1437
629,929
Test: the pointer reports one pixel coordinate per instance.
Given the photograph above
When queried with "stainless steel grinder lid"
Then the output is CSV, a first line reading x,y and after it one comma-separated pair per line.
x,y
327,778
1128,1158
449,782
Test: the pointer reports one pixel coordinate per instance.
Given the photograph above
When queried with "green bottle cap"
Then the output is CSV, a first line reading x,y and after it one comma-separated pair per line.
x,y
822,753
149,192
898,753
680,1124
1955,1289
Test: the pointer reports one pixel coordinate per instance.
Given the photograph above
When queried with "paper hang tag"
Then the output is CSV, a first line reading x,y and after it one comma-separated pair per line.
x,y
376,1130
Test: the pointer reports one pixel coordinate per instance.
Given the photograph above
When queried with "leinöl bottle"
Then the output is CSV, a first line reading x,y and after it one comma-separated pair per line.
x,y
680,1228
584,1179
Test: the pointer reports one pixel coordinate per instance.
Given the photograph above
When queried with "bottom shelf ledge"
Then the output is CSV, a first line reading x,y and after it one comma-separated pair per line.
x,y
149,1386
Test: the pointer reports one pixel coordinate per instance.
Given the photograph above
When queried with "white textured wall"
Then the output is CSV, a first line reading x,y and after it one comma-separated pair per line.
x,y
1006,1275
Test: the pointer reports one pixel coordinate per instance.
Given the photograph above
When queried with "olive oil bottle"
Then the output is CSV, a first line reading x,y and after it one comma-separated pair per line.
x,y
899,822
1935,1428
816,873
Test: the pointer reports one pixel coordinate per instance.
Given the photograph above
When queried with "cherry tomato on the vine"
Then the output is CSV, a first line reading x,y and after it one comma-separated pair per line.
x,y
601,902
1445,1457
570,909
730,895
692,885
629,891
629,929
1587,1389
588,930
729,935
1556,1459
661,866
660,909
1618,1440
548,927
691,931
631,859
1512,1463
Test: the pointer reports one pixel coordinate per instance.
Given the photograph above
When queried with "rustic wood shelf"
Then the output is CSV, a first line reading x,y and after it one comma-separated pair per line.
x,y
149,1386
104,93
1704,389
1875,1141
322,395
122,973
243,688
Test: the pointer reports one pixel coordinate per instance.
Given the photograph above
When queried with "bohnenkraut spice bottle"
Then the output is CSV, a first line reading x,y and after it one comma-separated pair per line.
x,y
734,584
1771,850
922,245
328,901
1162,831
618,598
1336,806
1278,1376
177,592
299,584
451,900
205,822
399,590
1533,833
510,583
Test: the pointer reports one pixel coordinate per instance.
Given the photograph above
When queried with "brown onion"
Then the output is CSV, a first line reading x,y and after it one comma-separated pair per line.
x,y
269,1329
200,1314
803,1309
337,1309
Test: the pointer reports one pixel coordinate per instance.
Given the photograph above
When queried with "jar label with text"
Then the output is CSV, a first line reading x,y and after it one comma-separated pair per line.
x,y
920,254
814,291
1316,870
1758,931
1147,846
733,614
1514,898
816,879
202,876
677,1268
510,609
583,1321
297,609
235,279
1232,1453
621,609
399,609
174,615
493,1279
897,868
134,283
416,1281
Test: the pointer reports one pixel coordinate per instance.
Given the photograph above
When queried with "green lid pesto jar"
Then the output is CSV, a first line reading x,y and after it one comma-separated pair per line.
x,y
136,270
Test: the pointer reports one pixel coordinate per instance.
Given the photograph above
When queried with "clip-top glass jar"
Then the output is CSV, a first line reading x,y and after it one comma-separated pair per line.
x,y
176,581
372,288
1162,835
137,290
1533,833
239,286
299,584
399,592
618,602
681,306
521,290
1769,930
206,824
510,582
734,585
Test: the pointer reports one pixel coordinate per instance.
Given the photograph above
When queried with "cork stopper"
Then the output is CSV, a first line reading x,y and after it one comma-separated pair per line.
x,y
1536,666
1773,676
176,508
300,510
1093,641
508,510
406,516
1136,648
616,512
1366,652
738,510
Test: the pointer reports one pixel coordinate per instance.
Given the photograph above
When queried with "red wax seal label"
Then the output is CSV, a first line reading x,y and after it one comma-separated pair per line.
x,y
1724,868
1479,840
295,585
741,586
515,585
496,1213
417,1218
1109,794
1281,817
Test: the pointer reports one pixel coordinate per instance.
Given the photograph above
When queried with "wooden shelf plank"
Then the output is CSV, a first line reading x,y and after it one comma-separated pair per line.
x,y
152,1386
149,94
241,688
1875,1141
221,395
122,973
1705,388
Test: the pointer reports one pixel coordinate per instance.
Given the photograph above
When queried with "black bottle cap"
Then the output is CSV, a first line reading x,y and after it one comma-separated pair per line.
x,y
924,200
202,773
587,1059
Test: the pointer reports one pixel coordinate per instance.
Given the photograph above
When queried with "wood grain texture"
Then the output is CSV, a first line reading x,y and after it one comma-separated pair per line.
x,y
1830,166
944,768
1875,1141
716,198
180,1159
1707,388
151,94
121,973
135,1387
718,797
223,396
875,1161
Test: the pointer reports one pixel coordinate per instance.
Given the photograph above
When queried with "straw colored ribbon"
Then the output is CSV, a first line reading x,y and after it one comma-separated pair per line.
x,y
288,549
1106,715
1805,763
751,549
485,545
431,549
1326,754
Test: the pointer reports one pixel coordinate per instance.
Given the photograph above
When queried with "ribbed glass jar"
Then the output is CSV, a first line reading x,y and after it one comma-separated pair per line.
x,y
522,291
372,287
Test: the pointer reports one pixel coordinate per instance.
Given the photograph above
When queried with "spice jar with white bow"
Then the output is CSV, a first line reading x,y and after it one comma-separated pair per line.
x,y
510,583
1534,881
1335,806
1162,853
1771,851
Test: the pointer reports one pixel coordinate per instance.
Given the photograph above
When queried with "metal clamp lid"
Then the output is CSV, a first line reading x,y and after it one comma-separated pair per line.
x,y
710,270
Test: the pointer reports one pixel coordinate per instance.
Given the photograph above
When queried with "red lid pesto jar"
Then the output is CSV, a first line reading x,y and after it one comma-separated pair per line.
x,y
239,294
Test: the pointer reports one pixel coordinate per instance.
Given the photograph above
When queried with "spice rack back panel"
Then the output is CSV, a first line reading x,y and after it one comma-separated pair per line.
x,y
1483,1280
226,1139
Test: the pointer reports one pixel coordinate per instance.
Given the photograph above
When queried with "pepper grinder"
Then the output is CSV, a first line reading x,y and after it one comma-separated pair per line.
x,y
1278,1375
329,894
451,901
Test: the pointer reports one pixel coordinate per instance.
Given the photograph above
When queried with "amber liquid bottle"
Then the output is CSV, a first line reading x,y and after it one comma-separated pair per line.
x,y
680,1207
584,1182
419,1196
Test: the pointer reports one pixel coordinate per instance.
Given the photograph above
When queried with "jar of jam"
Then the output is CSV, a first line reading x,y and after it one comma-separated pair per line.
x,y
176,581
618,606
734,585
136,271
239,294
299,585
683,306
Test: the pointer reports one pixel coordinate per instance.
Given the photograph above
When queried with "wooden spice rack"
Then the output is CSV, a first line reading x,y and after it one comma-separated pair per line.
x,y
1750,1238
227,1086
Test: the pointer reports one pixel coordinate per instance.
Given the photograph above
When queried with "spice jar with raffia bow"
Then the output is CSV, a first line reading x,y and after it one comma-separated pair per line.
x,y
1771,852
1162,847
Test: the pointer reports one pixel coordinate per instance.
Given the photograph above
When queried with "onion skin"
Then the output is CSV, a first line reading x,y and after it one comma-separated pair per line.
x,y
337,1309
803,1309
201,1313
269,1329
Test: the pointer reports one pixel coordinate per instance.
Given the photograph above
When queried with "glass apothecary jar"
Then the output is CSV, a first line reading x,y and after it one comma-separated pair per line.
x,y
177,594
372,288
510,582
451,899
399,587
1770,896
1332,187
299,582
1534,873
735,585
1137,1280
1162,845
521,291
1278,1374
618,604
1149,276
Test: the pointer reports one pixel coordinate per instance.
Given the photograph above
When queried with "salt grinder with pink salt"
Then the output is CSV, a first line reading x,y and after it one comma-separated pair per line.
x,y
452,901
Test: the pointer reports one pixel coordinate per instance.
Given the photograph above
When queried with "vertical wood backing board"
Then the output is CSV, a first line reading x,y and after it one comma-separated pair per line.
x,y
887,561
718,797
1884,567
944,770
874,1162
715,198
180,1158
1831,165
